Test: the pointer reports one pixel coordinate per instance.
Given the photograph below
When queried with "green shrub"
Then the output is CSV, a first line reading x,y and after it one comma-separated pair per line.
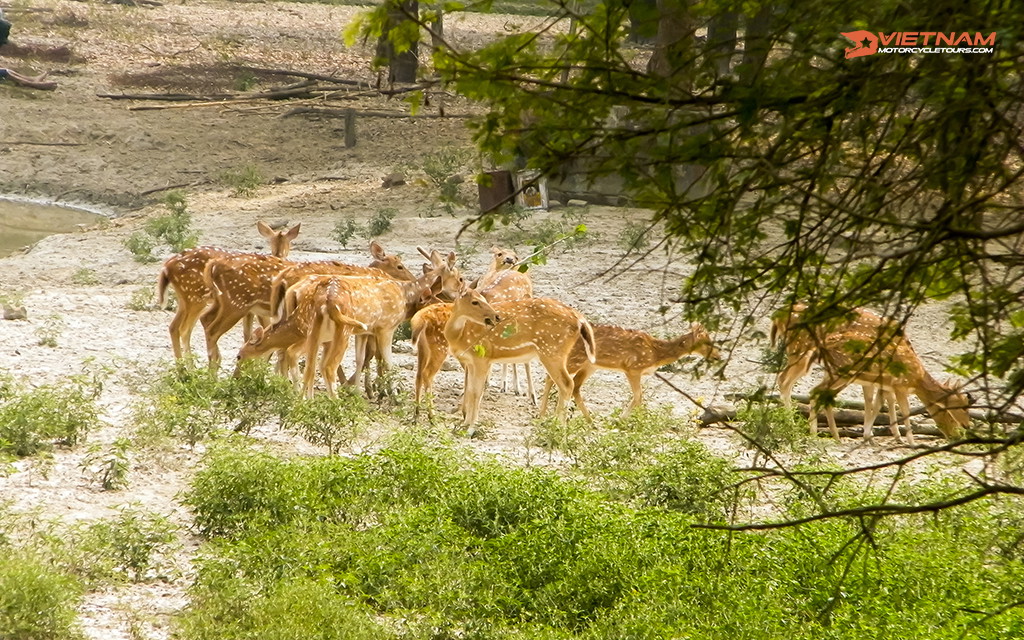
x,y
245,181
634,237
344,230
53,325
295,608
108,467
380,222
772,427
442,168
136,546
85,277
330,422
190,403
143,299
35,420
36,600
253,395
175,228
141,246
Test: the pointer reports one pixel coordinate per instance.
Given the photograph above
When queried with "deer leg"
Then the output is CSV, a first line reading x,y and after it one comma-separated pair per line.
x,y
184,320
792,372
559,374
529,384
544,395
904,401
577,383
638,392
828,385
476,383
333,356
872,403
312,347
216,322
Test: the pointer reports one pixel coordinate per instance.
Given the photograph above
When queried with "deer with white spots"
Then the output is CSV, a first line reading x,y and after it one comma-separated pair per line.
x,y
872,351
381,303
184,272
317,311
501,283
634,353
480,334
242,285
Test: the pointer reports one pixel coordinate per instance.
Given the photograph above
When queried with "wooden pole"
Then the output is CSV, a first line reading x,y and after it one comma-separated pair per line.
x,y
350,128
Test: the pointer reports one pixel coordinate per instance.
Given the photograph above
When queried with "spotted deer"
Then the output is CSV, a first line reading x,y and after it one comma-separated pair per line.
x,y
480,334
872,351
634,353
243,285
184,272
317,310
498,284
504,282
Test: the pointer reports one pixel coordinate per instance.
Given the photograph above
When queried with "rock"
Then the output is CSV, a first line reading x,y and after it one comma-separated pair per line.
x,y
576,203
15,313
393,180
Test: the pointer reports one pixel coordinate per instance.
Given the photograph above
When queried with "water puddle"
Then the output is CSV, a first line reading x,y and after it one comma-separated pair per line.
x,y
23,222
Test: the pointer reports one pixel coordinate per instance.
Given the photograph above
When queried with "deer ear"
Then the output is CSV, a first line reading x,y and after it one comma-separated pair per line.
x,y
451,259
257,335
376,250
264,229
293,232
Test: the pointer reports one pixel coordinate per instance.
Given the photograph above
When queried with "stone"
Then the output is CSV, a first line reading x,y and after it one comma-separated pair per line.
x,y
15,313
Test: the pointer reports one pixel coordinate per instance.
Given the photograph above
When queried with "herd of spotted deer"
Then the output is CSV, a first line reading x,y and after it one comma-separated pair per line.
x,y
302,306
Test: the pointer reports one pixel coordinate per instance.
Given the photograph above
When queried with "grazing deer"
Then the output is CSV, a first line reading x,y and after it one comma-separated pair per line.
x,y
634,353
318,310
184,272
872,351
480,334
242,284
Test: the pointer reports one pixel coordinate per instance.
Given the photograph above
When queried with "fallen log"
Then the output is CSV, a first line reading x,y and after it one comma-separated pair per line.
x,y
850,421
308,76
1000,417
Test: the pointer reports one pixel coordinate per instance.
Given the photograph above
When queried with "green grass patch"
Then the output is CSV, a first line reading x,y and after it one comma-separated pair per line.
x,y
421,539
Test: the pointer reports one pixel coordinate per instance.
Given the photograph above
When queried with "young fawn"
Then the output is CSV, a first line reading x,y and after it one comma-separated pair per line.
x,y
184,272
872,351
480,334
503,282
634,353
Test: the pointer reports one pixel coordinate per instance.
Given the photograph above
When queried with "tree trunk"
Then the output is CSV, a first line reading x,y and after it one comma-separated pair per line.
x,y
722,40
757,42
673,44
402,67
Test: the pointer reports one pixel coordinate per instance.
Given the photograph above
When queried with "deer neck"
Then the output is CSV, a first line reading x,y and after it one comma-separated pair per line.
x,y
668,351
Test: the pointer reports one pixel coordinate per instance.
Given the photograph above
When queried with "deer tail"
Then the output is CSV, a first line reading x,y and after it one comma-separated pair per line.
x,y
339,318
161,287
589,344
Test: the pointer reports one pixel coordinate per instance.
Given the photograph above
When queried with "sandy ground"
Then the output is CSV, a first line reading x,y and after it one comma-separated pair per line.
x,y
114,158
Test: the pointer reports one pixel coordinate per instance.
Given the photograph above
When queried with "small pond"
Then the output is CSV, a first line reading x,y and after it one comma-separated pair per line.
x,y
23,222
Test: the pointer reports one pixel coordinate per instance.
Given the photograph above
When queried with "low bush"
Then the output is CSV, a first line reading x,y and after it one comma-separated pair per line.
x,y
33,421
427,541
192,404
36,600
